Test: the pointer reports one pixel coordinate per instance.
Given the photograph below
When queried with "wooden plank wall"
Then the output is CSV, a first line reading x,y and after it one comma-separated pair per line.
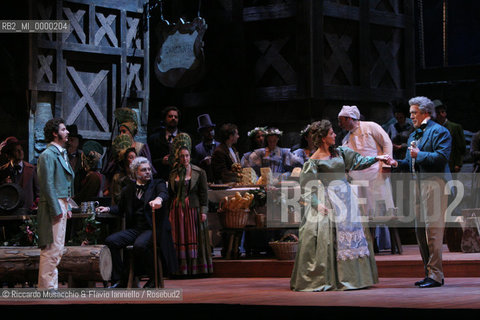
x,y
289,62
283,63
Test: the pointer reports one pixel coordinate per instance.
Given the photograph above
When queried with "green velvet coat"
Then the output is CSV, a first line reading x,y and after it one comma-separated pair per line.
x,y
458,145
55,177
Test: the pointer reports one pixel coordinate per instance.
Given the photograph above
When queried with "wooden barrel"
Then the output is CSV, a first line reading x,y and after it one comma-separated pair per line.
x,y
11,197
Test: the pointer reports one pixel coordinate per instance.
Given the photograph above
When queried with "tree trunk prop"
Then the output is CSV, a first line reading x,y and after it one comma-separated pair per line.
x,y
80,263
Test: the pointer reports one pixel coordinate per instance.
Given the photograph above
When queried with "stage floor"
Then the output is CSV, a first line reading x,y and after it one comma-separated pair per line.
x,y
272,296
253,295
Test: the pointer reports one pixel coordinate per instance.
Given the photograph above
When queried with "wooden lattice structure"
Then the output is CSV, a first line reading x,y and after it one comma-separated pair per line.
x,y
298,60
99,65
336,49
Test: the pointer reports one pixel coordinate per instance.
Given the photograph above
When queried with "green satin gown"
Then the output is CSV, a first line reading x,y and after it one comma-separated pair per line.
x,y
318,265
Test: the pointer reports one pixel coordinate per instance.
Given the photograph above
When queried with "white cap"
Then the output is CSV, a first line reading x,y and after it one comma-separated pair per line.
x,y
350,111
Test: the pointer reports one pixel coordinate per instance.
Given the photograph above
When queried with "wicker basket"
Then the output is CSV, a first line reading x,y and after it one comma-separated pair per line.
x,y
234,219
285,250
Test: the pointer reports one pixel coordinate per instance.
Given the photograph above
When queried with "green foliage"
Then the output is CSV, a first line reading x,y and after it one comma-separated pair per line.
x,y
89,233
27,236
260,198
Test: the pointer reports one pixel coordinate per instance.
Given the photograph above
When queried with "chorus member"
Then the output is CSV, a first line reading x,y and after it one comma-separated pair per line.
x,y
369,139
74,150
188,191
279,160
459,145
399,132
307,148
128,128
256,138
124,176
161,140
225,155
92,181
202,155
19,171
128,125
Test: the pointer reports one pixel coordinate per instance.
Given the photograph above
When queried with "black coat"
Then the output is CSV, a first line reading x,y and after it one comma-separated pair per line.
x,y
159,148
222,162
156,188
28,180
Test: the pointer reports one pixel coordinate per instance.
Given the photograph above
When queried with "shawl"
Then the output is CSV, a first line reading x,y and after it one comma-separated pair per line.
x,y
181,140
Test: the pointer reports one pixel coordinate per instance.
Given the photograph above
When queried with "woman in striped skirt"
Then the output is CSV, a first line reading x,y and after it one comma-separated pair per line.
x,y
188,211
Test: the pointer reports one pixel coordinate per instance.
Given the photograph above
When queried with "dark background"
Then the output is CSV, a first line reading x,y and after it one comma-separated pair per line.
x,y
455,83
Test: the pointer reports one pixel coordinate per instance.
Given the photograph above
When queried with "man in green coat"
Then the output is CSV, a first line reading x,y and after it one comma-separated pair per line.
x,y
55,177
459,145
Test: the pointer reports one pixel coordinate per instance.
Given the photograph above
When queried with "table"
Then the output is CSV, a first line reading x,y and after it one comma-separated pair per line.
x,y
23,215
216,195
256,238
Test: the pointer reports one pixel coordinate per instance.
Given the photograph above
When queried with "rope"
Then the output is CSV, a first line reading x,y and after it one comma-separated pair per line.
x,y
421,34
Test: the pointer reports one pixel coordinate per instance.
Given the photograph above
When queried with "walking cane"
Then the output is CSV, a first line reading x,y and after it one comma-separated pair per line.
x,y
155,266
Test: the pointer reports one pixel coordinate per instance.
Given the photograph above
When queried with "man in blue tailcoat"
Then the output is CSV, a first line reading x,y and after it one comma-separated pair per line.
x,y
427,158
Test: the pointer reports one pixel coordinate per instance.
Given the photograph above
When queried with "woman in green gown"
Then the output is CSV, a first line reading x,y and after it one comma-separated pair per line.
x,y
335,251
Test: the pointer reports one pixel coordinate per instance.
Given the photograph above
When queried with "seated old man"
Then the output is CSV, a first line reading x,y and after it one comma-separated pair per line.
x,y
136,203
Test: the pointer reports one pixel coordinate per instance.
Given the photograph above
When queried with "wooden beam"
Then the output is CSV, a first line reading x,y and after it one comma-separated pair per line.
x,y
50,87
334,10
277,93
271,58
355,93
61,66
128,5
409,65
123,62
45,69
76,28
315,11
87,97
273,11
146,75
106,30
87,134
365,39
354,13
388,19
77,47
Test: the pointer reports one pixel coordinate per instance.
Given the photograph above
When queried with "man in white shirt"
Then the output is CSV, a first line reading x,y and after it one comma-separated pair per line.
x,y
369,139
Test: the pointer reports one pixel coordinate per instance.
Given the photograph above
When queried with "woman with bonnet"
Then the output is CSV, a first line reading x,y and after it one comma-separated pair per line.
x,y
279,160
307,148
188,189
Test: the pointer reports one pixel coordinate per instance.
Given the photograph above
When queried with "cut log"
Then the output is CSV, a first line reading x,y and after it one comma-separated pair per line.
x,y
81,263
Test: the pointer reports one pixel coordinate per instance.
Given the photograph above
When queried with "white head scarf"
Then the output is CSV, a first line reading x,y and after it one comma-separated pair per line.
x,y
350,111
